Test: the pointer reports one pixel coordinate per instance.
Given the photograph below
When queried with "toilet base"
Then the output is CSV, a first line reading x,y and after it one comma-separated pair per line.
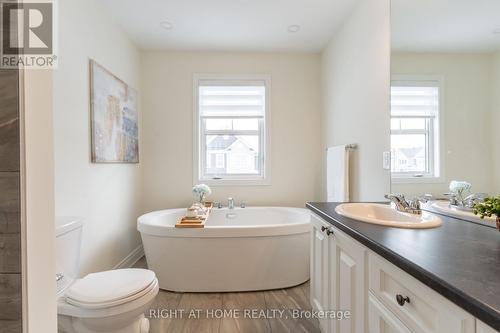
x,y
68,324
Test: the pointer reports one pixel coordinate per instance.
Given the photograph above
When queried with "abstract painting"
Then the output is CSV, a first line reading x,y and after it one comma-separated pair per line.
x,y
114,118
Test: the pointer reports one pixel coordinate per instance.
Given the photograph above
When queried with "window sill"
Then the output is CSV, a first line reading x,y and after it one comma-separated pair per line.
x,y
417,180
234,182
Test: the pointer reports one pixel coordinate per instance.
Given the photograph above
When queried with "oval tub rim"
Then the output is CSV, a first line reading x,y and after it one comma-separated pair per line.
x,y
272,230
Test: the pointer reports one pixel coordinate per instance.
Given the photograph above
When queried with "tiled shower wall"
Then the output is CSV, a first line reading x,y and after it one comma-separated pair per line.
x,y
10,221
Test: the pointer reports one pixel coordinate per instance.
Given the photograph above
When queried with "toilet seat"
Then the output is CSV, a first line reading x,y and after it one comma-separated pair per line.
x,y
110,288
66,309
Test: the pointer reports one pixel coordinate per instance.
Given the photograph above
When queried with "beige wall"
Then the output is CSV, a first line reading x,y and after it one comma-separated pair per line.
x,y
466,117
355,87
495,122
107,196
167,85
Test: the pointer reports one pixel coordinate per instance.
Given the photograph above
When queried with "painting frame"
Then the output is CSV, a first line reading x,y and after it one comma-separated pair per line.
x,y
114,126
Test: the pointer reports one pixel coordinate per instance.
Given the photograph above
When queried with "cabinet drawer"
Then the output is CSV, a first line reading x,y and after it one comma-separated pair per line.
x,y
423,309
381,320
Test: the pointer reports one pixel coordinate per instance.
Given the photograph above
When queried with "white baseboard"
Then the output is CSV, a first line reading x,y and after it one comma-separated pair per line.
x,y
131,259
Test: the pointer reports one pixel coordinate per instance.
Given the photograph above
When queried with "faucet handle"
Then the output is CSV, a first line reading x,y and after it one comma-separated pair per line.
x,y
399,196
452,197
415,203
218,204
243,204
424,198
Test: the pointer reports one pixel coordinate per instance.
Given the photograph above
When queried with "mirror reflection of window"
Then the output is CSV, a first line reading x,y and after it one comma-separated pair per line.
x,y
445,73
415,133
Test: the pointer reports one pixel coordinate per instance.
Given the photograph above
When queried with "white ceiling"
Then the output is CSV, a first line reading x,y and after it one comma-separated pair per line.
x,y
230,25
445,25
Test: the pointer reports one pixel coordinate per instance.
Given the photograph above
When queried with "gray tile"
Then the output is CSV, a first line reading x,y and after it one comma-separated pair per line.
x,y
291,299
202,301
8,95
9,203
9,121
10,253
243,322
202,322
10,297
165,300
201,325
11,326
9,146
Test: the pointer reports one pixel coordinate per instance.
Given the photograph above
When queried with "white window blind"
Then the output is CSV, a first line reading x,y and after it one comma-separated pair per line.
x,y
232,101
415,99
232,133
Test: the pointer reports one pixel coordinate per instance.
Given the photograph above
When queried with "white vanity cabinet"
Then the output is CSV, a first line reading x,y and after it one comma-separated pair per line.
x,y
319,267
345,275
339,284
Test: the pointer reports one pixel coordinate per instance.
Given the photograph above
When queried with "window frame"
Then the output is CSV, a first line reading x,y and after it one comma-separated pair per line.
x,y
436,129
199,147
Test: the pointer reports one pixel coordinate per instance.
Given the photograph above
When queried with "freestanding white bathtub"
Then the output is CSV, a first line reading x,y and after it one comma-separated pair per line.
x,y
244,249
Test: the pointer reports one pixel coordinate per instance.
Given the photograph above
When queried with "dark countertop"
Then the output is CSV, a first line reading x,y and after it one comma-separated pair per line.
x,y
460,260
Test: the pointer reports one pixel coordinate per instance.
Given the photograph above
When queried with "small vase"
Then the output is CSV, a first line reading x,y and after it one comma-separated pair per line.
x,y
498,223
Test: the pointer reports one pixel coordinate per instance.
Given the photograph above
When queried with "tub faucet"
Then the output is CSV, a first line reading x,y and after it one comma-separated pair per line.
x,y
230,203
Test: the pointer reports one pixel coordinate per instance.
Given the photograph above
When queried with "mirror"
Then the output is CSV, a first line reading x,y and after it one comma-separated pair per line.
x,y
445,96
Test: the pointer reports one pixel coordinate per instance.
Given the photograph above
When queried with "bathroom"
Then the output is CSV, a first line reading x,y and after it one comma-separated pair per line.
x,y
321,121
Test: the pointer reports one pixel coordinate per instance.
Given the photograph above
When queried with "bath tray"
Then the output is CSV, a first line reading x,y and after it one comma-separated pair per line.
x,y
195,222
191,223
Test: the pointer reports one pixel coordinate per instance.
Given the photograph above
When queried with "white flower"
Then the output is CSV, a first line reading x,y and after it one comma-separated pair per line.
x,y
459,187
201,191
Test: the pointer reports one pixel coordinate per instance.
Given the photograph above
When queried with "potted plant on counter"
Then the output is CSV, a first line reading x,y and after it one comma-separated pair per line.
x,y
490,207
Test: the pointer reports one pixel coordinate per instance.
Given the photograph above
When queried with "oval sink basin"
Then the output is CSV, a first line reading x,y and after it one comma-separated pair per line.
x,y
387,216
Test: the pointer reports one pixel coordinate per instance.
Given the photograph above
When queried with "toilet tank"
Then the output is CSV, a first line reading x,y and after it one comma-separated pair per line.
x,y
68,243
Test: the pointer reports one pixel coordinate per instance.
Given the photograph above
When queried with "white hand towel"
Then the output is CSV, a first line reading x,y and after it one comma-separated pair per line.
x,y
337,174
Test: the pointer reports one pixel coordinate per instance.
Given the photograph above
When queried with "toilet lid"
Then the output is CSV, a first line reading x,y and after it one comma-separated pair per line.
x,y
110,288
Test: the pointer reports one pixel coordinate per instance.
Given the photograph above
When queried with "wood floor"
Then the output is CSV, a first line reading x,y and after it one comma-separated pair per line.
x,y
263,304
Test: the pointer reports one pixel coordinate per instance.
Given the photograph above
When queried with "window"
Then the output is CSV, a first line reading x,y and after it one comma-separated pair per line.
x,y
231,144
415,132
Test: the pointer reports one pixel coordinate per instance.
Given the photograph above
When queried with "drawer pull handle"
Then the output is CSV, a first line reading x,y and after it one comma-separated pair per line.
x,y
329,232
323,228
402,299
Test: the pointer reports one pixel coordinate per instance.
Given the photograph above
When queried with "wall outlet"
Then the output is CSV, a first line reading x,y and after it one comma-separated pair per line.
x,y
386,160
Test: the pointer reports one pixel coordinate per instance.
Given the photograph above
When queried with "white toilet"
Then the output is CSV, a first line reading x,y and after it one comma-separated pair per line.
x,y
111,301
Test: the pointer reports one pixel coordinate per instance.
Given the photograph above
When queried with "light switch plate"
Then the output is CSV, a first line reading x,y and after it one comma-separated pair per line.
x,y
386,158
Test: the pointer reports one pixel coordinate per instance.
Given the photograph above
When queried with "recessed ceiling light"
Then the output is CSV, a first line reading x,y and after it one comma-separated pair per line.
x,y
166,25
294,28
496,31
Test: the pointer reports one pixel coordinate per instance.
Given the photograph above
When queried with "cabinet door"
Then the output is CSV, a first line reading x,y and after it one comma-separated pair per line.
x,y
347,282
382,320
319,268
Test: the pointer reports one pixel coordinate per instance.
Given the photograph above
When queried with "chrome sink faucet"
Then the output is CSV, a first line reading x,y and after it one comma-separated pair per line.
x,y
407,206
474,199
230,203
467,203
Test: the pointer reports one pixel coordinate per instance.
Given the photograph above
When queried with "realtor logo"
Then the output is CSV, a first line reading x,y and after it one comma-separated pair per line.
x,y
27,34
